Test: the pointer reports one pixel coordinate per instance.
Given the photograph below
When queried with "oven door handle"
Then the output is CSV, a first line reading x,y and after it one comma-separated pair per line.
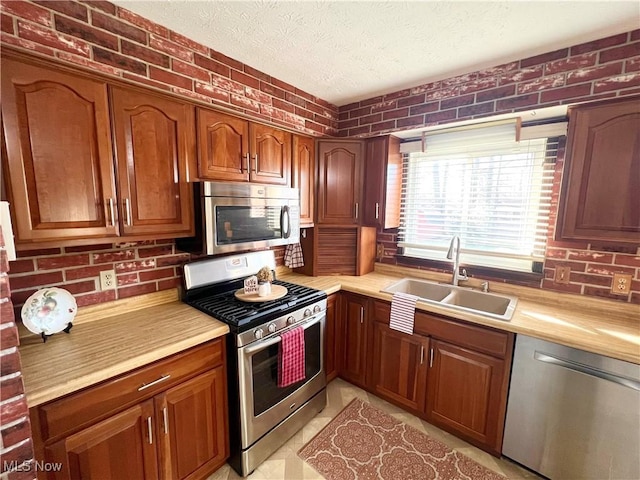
x,y
272,341
285,217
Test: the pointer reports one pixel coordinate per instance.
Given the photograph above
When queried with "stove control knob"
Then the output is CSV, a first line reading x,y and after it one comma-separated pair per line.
x,y
291,320
259,333
271,327
307,312
316,309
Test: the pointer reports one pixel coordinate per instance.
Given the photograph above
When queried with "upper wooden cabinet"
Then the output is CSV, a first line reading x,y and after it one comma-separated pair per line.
x,y
600,197
339,181
223,146
304,176
68,183
270,155
154,140
382,182
58,165
233,149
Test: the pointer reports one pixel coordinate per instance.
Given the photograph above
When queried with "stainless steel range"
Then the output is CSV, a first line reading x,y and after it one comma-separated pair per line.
x,y
263,416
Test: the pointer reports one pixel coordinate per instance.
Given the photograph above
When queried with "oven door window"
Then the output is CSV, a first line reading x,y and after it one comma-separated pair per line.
x,y
241,224
264,363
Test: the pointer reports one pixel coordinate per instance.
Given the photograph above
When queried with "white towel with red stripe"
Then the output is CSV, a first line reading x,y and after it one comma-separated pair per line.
x,y
291,357
403,310
293,257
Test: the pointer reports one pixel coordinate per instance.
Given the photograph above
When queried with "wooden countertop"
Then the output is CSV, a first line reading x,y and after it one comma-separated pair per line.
x,y
110,339
599,326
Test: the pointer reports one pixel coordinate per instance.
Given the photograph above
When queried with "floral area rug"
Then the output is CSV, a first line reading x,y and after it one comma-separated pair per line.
x,y
364,443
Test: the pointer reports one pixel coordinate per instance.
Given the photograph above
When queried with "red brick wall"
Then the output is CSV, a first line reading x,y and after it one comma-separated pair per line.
x,y
112,40
604,68
141,267
16,444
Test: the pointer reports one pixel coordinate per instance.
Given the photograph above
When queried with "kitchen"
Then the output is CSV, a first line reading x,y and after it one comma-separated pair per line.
x,y
147,261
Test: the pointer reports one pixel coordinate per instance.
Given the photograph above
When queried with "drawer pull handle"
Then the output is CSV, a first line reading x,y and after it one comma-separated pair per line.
x,y
165,419
144,386
421,354
431,358
150,430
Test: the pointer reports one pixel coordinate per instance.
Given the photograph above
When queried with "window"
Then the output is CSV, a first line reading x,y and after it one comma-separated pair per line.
x,y
484,186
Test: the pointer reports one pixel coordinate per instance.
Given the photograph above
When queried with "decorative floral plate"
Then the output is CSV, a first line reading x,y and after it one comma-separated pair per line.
x,y
49,311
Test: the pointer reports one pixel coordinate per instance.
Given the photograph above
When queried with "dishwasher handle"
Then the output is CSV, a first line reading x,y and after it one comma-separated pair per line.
x,y
587,370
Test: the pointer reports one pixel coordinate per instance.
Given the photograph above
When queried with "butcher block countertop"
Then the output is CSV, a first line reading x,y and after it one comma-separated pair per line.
x,y
600,326
110,339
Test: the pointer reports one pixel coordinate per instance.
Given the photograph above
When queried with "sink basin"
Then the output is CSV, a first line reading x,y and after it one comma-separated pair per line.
x,y
420,288
492,305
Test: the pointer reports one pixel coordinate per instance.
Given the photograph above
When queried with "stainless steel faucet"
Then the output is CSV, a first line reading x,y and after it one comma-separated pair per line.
x,y
455,242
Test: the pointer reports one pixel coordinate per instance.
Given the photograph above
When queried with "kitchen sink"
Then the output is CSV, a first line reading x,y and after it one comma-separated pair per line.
x,y
492,305
424,289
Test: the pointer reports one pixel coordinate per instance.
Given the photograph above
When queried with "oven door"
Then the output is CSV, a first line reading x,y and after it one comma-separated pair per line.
x,y
263,404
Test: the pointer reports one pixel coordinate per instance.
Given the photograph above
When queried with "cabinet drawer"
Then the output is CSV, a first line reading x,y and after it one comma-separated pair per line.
x,y
480,339
95,403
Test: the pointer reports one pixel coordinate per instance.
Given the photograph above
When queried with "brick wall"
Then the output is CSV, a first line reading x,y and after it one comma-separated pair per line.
x,y
16,444
112,40
605,68
141,267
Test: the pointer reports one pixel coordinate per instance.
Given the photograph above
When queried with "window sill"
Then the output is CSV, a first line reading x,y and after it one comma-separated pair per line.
x,y
525,279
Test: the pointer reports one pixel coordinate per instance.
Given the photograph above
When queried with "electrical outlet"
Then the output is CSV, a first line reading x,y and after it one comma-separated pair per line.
x,y
621,283
380,251
108,280
563,273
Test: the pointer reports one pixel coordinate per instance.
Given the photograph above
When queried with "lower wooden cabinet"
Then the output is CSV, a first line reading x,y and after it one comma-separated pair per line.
x,y
331,355
451,373
120,447
353,337
180,432
400,366
464,391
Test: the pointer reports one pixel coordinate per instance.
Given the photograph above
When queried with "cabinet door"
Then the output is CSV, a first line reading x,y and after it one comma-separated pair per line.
x,y
330,339
192,432
304,175
155,141
223,146
601,182
270,155
353,332
400,366
339,182
464,393
58,150
123,446
382,183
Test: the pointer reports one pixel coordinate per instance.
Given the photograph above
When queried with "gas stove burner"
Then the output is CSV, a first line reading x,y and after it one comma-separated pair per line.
x,y
240,316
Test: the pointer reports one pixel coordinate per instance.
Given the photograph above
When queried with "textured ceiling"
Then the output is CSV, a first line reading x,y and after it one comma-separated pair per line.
x,y
347,51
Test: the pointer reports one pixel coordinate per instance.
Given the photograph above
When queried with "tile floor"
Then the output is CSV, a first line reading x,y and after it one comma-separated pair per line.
x,y
285,464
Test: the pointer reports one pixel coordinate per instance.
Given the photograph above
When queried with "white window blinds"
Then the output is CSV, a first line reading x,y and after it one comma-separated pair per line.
x,y
484,186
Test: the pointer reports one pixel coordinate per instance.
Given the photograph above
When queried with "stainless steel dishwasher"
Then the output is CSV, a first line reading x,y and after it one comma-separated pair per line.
x,y
573,414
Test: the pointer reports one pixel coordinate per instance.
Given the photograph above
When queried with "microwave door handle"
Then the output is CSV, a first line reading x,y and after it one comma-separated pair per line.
x,y
285,216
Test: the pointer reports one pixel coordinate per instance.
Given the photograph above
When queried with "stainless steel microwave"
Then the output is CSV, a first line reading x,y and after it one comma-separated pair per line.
x,y
233,217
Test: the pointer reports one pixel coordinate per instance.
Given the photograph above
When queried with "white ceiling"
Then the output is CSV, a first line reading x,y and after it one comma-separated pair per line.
x,y
347,51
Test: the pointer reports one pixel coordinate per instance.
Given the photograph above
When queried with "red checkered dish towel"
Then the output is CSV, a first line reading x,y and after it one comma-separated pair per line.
x,y
291,357
403,309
